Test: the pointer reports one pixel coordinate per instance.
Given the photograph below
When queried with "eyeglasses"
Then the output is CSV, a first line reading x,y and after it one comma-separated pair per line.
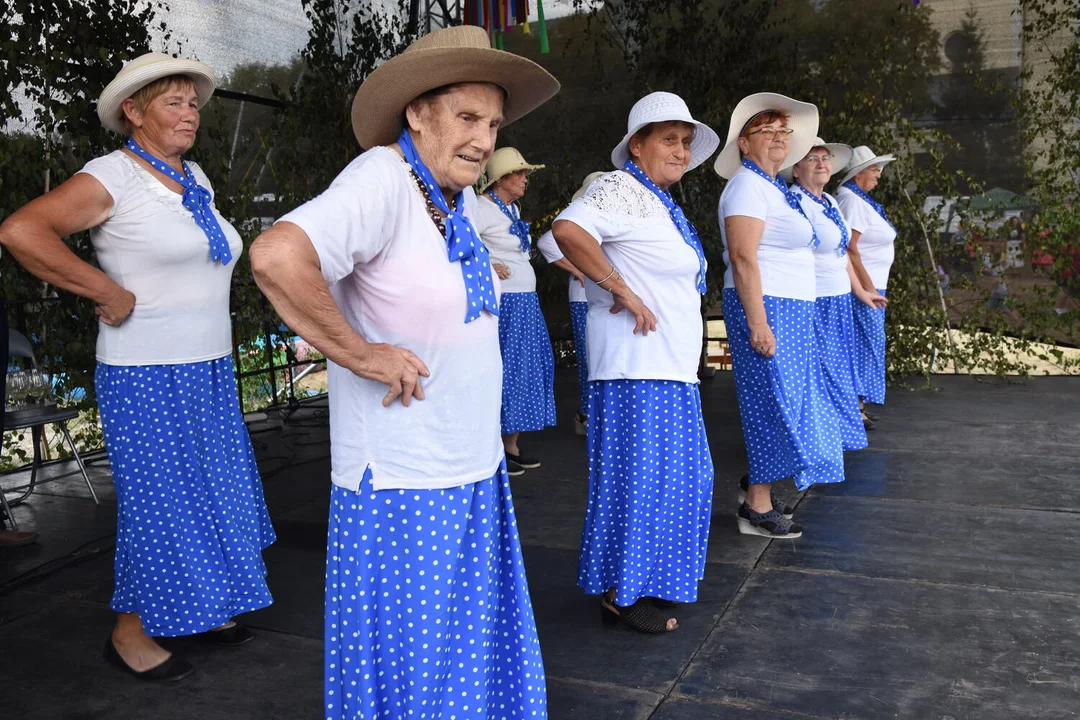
x,y
771,132
820,158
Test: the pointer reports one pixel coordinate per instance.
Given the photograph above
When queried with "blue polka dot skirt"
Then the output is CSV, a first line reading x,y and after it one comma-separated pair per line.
x,y
870,352
191,518
835,329
579,312
650,491
427,609
789,422
528,396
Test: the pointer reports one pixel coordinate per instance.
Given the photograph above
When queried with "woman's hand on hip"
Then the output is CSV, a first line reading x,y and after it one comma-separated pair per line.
x,y
116,307
501,270
626,299
763,341
397,368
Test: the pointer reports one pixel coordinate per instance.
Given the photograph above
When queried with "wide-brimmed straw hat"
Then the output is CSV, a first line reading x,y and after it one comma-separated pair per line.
x,y
449,56
861,158
665,107
841,157
589,180
142,71
504,161
802,119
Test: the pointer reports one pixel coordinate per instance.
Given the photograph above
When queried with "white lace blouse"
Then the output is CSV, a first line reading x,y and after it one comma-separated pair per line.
x,y
151,246
637,235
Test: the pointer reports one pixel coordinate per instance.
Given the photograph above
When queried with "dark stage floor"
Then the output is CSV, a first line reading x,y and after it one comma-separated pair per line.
x,y
939,582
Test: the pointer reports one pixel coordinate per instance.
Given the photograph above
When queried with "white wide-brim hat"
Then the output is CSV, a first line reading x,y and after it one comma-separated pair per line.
x,y
666,107
841,157
142,71
504,161
863,157
453,55
589,180
802,119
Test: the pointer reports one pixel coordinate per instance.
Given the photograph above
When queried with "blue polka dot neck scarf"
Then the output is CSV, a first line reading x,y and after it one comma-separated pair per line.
x,y
850,185
462,241
686,229
791,196
517,226
196,198
833,213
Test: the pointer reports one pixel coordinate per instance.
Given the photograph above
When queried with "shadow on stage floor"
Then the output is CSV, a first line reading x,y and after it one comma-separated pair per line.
x,y
940,581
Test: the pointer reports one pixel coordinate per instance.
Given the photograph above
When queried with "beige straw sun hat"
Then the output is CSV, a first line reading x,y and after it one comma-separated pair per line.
x,y
841,157
504,161
142,71
802,119
449,56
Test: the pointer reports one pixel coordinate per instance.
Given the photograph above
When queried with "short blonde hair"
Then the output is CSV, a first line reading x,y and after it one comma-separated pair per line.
x,y
146,94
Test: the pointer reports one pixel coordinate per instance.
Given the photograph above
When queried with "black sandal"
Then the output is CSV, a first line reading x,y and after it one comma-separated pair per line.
x,y
172,669
642,616
662,603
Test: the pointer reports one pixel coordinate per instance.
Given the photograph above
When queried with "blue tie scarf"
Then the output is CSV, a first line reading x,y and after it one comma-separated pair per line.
x,y
686,229
833,213
517,226
462,242
196,198
850,185
789,195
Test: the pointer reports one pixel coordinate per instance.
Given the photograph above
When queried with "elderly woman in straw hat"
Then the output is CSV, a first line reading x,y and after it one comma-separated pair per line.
x,y
191,519
427,608
835,282
871,247
579,311
528,391
650,472
789,423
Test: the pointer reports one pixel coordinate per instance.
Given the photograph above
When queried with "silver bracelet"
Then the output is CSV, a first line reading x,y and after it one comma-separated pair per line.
x,y
599,283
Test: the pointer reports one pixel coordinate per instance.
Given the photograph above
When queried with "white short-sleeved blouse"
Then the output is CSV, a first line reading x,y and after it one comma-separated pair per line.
x,y
551,252
504,246
830,267
637,235
876,239
151,246
387,267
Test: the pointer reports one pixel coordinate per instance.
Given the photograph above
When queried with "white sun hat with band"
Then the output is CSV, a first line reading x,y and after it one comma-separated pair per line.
x,y
665,107
841,157
802,119
862,158
142,71
504,161
450,56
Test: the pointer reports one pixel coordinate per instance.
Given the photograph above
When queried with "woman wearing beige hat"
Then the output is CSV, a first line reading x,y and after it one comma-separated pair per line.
x,y
789,423
871,247
427,608
191,519
650,471
528,390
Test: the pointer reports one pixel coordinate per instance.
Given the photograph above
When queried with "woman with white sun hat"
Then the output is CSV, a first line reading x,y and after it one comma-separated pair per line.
x,y
191,518
789,424
835,281
650,472
872,252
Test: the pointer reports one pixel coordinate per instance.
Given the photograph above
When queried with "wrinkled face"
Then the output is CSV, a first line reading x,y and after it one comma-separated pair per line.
x,y
766,143
664,153
169,121
814,169
455,131
869,178
514,184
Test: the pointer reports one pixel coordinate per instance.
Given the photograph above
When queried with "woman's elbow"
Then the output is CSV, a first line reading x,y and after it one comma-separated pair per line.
x,y
265,258
12,230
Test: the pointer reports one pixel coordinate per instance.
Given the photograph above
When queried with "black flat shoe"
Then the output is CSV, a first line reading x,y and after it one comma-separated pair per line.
x,y
513,469
172,670
524,461
229,637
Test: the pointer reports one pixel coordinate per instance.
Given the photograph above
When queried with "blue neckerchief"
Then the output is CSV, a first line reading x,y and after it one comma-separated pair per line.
x,y
850,185
833,213
196,198
462,242
685,228
517,226
791,197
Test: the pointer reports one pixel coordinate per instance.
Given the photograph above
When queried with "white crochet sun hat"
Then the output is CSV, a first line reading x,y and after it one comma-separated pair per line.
x,y
665,107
